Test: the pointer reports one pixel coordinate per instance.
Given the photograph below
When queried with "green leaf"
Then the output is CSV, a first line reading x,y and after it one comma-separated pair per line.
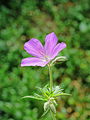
x,y
44,91
33,97
57,90
61,94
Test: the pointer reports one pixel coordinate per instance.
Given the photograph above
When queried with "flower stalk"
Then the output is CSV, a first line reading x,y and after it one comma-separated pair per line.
x,y
51,80
51,87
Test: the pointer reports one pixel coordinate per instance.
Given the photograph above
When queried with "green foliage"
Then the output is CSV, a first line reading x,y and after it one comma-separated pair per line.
x,y
49,97
21,20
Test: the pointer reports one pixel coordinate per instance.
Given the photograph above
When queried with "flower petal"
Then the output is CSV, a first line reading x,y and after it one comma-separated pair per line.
x,y
34,47
57,49
33,61
50,42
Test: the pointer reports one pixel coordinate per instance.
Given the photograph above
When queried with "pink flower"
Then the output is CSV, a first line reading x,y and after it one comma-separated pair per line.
x,y
42,54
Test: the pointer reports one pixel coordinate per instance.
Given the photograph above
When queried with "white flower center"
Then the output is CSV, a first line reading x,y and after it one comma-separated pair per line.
x,y
46,58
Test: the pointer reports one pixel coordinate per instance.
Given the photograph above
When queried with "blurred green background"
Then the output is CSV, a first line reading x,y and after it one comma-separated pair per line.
x,y
21,20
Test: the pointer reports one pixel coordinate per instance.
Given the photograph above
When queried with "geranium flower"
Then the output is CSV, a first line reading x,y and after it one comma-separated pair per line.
x,y
42,54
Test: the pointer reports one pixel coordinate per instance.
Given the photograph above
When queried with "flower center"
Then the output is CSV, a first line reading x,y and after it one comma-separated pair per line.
x,y
47,58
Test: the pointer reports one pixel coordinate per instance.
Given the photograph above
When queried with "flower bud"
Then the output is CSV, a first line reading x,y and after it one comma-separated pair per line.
x,y
52,107
55,102
46,106
58,59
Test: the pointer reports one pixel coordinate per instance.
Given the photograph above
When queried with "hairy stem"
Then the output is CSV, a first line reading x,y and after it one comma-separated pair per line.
x,y
51,80
53,115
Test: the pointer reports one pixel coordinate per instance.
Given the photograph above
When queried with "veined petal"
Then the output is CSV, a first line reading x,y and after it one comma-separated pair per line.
x,y
57,49
50,42
33,61
34,47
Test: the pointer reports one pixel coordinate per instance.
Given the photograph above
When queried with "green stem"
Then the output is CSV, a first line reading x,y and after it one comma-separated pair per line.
x,y
51,80
53,115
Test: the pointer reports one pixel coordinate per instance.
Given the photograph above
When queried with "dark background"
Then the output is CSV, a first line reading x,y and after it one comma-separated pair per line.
x,y
21,20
